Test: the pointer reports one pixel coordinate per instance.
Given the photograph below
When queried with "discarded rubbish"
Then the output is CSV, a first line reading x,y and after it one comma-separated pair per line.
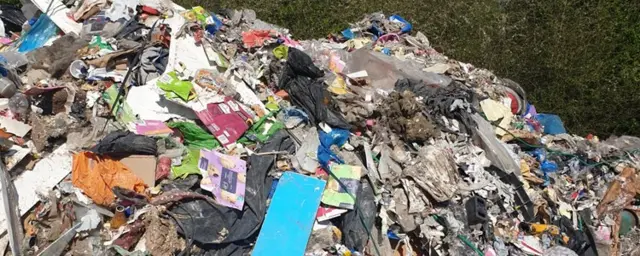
x,y
225,176
335,195
143,128
293,227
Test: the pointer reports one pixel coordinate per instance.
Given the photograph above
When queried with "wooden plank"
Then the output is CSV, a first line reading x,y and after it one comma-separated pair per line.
x,y
290,217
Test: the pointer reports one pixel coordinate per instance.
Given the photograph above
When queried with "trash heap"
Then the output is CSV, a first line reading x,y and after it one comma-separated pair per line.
x,y
144,128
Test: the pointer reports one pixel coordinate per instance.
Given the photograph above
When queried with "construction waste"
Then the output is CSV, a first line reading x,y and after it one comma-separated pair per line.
x,y
145,128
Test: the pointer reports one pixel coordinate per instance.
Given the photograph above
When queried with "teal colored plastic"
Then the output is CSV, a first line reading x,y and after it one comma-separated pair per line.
x,y
627,223
553,125
289,220
43,30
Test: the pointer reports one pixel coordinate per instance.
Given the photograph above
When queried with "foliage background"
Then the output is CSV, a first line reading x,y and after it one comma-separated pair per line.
x,y
575,58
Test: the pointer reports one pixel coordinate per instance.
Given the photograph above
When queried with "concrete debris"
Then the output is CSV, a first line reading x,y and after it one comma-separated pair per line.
x,y
225,115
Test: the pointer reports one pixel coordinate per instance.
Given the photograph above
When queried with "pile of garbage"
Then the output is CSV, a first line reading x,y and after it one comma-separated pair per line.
x,y
144,128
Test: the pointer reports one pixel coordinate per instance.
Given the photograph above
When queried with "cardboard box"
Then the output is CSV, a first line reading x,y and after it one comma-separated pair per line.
x,y
142,166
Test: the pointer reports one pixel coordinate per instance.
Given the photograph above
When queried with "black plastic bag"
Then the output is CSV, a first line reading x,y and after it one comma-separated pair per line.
x,y
417,87
13,18
122,144
300,79
132,30
221,230
355,234
439,100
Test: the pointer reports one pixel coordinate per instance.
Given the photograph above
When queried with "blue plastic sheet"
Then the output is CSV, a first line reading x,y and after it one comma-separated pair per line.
x,y
348,34
546,166
337,137
407,26
552,124
215,25
40,33
377,32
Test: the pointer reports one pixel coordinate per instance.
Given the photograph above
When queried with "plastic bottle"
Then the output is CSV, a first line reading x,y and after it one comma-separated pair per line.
x,y
118,218
7,88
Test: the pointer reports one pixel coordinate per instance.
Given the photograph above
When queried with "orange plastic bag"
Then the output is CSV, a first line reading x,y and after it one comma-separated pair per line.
x,y
96,176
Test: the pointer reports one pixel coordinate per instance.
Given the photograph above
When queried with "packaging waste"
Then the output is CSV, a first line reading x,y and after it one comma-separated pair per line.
x,y
147,128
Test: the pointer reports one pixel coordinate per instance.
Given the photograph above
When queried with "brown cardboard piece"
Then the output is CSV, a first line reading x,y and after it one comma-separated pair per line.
x,y
142,166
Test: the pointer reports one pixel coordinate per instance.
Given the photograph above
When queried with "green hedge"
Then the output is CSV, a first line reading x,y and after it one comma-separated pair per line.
x,y
13,2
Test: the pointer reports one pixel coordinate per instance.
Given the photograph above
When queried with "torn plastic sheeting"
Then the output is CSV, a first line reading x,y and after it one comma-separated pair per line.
x,y
122,9
241,85
97,176
307,154
58,13
353,222
45,175
385,70
43,30
336,137
262,130
10,210
231,232
623,143
147,104
185,50
552,124
188,165
418,201
194,136
435,171
121,143
453,102
300,79
495,151
13,18
400,214
406,25
388,169
495,111
90,221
